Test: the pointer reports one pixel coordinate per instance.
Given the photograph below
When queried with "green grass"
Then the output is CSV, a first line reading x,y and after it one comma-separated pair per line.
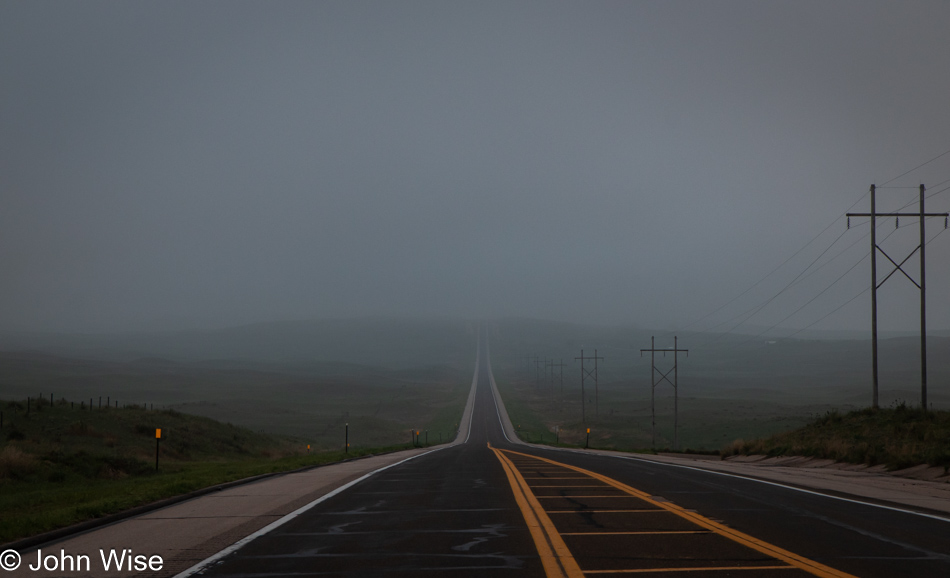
x,y
624,422
61,465
379,404
898,437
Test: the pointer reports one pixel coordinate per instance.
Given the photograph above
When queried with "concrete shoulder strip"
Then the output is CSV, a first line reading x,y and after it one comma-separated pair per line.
x,y
280,522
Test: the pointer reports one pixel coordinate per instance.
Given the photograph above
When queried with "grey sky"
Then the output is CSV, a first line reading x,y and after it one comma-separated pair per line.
x,y
171,165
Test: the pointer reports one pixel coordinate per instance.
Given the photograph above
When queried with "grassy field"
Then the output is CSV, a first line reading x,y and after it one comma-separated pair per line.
x,y
63,464
730,387
231,404
624,422
379,404
898,437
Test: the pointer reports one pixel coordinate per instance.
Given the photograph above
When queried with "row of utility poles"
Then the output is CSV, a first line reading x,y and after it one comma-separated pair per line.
x,y
659,376
589,372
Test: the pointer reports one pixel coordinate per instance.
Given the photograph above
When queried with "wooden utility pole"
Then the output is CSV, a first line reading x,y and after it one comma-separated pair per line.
x,y
585,373
560,370
664,376
922,286
537,371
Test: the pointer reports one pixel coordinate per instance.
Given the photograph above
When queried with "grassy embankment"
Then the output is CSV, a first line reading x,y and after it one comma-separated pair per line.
x,y
623,422
898,437
60,464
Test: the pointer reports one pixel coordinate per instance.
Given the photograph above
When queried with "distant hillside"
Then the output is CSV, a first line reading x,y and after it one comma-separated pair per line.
x,y
898,437
388,342
797,370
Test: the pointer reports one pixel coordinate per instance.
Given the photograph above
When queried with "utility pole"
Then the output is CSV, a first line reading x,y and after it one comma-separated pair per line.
x,y
664,376
537,371
560,371
585,373
922,286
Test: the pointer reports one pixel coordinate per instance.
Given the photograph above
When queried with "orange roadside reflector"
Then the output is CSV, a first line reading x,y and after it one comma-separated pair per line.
x,y
588,430
158,433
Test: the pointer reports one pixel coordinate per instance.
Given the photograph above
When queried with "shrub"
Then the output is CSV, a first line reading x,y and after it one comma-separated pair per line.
x,y
16,464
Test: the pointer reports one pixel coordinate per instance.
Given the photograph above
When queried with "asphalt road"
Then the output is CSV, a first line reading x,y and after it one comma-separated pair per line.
x,y
493,508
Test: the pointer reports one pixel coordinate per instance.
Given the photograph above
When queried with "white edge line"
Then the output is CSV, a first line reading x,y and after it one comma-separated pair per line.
x,y
751,479
716,472
280,522
277,523
491,380
471,413
761,481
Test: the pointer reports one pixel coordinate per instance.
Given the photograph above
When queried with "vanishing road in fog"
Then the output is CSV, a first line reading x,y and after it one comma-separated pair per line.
x,y
462,510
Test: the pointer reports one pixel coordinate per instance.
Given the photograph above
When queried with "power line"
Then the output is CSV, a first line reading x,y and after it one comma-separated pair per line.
x,y
865,256
866,289
810,301
823,317
943,154
770,273
783,263
861,260
755,310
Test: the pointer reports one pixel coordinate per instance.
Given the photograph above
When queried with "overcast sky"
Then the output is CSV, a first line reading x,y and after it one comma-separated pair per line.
x,y
181,165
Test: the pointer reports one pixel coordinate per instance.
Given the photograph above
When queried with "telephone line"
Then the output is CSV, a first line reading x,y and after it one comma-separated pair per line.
x,y
866,255
770,273
866,289
783,263
943,154
755,310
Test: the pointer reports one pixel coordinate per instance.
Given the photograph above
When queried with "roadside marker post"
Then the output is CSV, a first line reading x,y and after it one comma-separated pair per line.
x,y
587,443
158,441
346,438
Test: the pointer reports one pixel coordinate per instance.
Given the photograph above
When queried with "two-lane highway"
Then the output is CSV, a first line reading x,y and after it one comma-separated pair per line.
x,y
490,507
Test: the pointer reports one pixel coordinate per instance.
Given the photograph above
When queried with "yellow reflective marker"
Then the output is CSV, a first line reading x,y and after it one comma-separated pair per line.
x,y
588,430
158,433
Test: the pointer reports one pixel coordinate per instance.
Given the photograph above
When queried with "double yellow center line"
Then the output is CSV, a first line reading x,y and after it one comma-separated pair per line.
x,y
559,562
